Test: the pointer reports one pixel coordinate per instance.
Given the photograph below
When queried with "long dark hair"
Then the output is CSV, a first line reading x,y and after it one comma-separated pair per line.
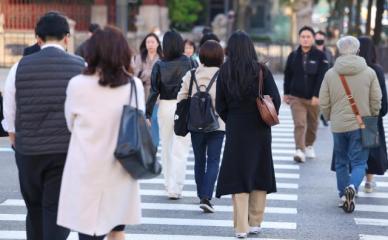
x,y
172,45
241,67
143,47
109,55
367,50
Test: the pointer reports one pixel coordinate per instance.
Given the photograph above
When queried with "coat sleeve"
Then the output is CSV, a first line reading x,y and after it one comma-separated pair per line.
x,y
221,104
71,104
375,96
271,89
322,69
184,91
380,76
288,74
324,98
154,91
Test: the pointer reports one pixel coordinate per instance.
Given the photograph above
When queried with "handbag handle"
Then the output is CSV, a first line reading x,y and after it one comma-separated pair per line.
x,y
133,90
192,78
261,80
352,102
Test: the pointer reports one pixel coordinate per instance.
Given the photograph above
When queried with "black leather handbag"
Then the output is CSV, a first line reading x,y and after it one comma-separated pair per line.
x,y
135,149
181,117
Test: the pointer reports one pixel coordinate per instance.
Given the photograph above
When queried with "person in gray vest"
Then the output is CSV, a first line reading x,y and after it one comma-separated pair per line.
x,y
34,99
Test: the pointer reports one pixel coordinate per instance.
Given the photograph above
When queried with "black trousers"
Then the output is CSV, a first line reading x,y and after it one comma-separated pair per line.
x,y
88,237
40,183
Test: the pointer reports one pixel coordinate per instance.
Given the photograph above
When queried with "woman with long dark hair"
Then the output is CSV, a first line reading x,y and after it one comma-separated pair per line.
x,y
377,161
247,170
166,80
97,194
150,53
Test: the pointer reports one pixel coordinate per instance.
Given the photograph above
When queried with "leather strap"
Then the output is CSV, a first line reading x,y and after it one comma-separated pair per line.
x,y
261,79
352,102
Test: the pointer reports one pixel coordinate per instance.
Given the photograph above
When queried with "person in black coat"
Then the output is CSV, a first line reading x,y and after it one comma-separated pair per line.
x,y
303,77
31,49
377,161
247,170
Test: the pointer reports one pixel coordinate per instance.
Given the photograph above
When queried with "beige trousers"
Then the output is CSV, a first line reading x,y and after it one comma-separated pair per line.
x,y
248,210
305,122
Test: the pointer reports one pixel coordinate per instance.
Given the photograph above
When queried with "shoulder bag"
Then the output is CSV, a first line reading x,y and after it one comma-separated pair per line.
x,y
368,125
265,104
135,149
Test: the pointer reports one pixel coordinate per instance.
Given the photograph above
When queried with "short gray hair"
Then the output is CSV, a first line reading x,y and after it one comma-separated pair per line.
x,y
348,45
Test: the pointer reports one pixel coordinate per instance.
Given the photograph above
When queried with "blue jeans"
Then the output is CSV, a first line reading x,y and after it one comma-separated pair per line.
x,y
348,150
207,151
155,125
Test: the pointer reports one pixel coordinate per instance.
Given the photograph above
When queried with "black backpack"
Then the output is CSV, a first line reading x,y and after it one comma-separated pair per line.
x,y
202,116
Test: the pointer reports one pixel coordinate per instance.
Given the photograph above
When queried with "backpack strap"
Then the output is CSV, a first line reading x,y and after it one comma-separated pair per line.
x,y
212,81
192,79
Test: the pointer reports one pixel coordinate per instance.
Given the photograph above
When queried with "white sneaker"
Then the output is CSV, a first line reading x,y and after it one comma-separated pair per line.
x,y
241,235
310,153
255,230
299,156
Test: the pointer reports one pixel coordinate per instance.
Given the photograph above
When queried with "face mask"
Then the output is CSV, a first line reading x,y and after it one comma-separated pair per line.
x,y
320,42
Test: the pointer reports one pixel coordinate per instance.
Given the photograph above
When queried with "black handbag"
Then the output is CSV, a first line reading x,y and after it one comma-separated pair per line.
x,y
368,125
135,149
182,111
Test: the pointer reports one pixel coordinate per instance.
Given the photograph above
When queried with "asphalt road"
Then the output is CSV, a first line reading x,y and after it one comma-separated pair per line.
x,y
305,206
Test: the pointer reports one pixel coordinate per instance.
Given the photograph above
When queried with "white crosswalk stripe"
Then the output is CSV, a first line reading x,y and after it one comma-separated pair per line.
x,y
158,211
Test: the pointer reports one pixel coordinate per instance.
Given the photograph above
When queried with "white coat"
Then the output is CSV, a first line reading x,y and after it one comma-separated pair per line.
x,y
97,194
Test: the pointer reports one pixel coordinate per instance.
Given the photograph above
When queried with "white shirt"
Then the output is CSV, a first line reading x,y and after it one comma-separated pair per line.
x,y
9,98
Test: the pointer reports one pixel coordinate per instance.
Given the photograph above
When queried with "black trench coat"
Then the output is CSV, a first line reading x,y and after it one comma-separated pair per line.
x,y
377,160
247,163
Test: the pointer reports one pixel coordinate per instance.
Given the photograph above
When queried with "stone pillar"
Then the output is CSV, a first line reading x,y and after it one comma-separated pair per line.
x,y
99,13
152,14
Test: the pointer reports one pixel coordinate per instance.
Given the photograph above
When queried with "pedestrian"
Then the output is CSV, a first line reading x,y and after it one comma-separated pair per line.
x,y
97,193
208,36
81,50
320,39
190,52
34,97
303,76
206,145
3,133
247,170
377,161
335,106
166,80
150,53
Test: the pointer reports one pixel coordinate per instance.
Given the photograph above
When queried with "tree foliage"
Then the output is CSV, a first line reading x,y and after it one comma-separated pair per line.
x,y
183,14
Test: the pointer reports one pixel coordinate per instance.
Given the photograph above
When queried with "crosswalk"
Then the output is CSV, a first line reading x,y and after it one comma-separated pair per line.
x,y
165,219
183,219
371,214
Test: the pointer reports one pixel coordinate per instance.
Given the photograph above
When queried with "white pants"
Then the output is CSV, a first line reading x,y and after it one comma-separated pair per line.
x,y
175,149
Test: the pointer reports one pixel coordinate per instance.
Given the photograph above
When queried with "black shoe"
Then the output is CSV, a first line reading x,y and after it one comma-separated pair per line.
x,y
206,206
349,204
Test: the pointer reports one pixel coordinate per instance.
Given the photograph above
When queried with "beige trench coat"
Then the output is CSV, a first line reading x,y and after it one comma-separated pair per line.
x,y
97,194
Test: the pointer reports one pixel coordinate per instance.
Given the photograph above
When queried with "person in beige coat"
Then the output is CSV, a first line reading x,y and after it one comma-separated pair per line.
x,y
335,107
97,194
206,145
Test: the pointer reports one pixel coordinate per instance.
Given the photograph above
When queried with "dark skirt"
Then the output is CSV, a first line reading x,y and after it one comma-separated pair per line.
x,y
247,163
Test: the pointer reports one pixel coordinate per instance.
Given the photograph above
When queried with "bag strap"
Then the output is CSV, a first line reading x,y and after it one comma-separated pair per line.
x,y
212,81
192,79
261,80
352,102
133,91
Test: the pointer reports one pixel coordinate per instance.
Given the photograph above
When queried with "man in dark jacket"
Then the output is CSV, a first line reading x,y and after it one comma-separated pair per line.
x,y
81,50
303,76
34,96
